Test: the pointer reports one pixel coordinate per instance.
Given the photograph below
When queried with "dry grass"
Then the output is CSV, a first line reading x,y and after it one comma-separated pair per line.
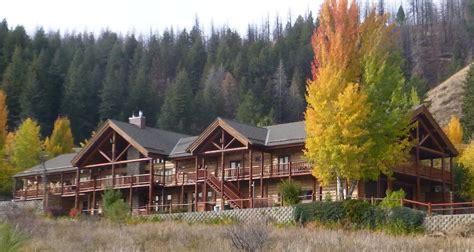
x,y
67,235
446,98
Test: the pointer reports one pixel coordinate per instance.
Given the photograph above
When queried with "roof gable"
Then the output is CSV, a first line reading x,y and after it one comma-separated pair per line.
x,y
426,119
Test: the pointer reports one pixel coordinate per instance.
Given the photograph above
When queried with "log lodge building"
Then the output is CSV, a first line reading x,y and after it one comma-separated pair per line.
x,y
229,165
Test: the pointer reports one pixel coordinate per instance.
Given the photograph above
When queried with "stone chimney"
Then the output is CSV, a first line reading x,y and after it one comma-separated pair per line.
x,y
139,120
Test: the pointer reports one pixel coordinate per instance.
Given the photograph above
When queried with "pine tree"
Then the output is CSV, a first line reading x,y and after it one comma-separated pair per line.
x,y
28,145
32,99
296,103
280,93
467,118
61,140
14,79
250,110
177,109
3,119
114,86
229,91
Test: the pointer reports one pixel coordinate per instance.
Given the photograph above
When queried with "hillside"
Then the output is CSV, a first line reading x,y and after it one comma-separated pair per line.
x,y
446,98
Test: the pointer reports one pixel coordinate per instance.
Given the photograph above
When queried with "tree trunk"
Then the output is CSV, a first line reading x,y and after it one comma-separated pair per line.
x,y
340,188
353,186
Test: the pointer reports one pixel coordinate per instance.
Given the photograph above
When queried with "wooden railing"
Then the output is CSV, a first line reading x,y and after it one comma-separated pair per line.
x,y
440,208
423,170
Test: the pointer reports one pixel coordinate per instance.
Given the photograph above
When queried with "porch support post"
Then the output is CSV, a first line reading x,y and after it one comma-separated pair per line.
x,y
313,195
93,195
389,184
130,196
451,172
271,164
113,158
250,178
443,180
62,183
417,163
196,198
204,184
37,187
150,190
222,181
163,179
76,200
261,174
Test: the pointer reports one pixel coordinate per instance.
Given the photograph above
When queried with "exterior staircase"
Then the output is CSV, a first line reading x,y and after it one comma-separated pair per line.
x,y
231,193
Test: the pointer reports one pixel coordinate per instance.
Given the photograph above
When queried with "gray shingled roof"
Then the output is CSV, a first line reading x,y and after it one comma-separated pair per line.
x,y
60,163
287,133
180,148
153,139
256,135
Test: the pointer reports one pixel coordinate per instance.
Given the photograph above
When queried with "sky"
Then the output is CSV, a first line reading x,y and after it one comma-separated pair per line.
x,y
143,16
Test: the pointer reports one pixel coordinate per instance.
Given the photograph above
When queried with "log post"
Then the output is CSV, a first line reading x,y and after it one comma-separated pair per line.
x,y
25,185
113,159
176,172
451,172
417,162
76,200
62,183
443,180
94,186
150,190
271,164
261,174
37,187
250,178
204,184
290,170
222,181
313,195
196,198
130,196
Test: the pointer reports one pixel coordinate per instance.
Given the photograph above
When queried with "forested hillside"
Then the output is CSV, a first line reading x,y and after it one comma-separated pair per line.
x,y
183,79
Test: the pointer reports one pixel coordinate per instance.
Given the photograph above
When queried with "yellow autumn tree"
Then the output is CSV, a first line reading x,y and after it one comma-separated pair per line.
x,y
28,145
454,131
356,118
466,188
61,140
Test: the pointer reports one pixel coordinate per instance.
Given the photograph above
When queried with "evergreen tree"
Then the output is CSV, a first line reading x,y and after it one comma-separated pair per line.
x,y
467,118
28,145
296,103
113,94
280,93
177,110
80,94
3,119
61,140
250,110
14,79
32,99
229,94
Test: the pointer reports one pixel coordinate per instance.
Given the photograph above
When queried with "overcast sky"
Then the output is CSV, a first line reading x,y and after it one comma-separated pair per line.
x,y
144,15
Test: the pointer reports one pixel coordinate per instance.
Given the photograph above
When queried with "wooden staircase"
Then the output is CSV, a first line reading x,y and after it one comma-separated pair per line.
x,y
231,193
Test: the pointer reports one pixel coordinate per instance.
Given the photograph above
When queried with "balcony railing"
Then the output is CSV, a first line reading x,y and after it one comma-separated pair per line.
x,y
426,171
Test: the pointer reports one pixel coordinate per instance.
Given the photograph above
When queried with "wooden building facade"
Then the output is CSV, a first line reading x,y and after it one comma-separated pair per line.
x,y
229,165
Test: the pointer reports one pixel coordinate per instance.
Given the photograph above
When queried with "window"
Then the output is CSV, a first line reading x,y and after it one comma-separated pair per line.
x,y
284,159
235,164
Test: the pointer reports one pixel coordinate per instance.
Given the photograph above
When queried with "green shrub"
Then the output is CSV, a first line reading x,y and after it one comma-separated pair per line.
x,y
328,196
290,192
403,220
11,239
358,212
324,212
392,200
115,208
